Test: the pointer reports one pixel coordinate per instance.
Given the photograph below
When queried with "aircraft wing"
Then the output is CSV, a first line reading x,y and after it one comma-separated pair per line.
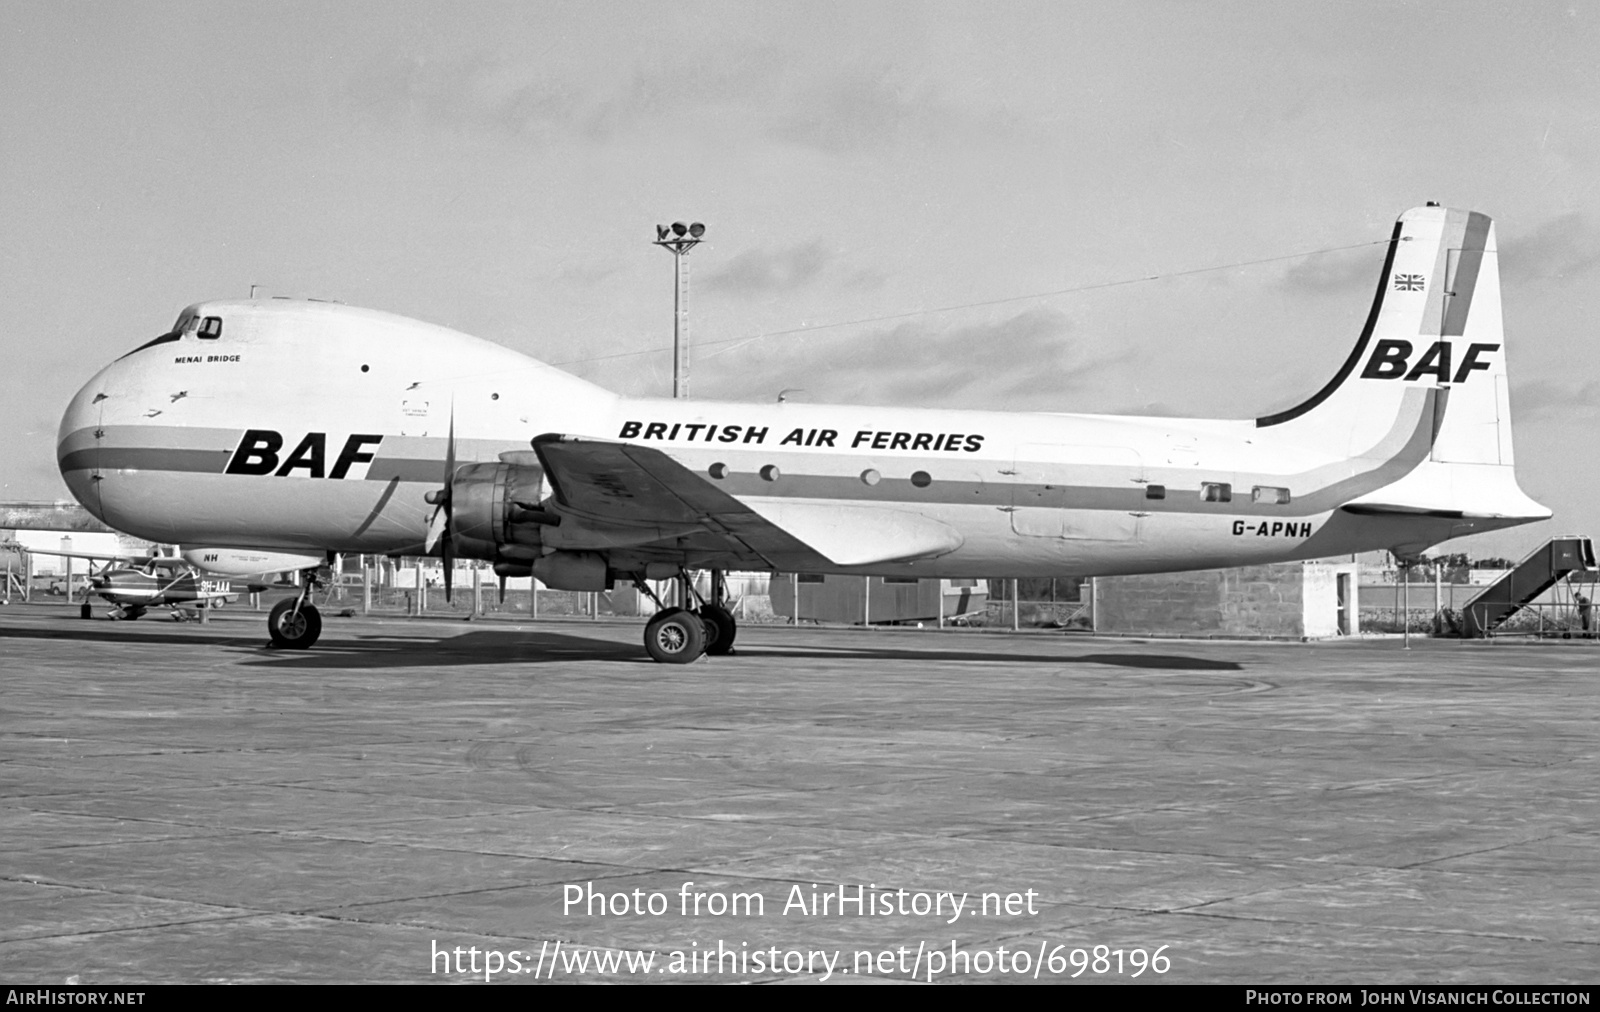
x,y
608,485
138,560
49,516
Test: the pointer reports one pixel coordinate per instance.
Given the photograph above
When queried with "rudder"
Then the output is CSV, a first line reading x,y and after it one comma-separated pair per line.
x,y
1435,322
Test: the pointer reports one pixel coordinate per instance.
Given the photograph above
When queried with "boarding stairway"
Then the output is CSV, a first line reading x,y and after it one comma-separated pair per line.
x,y
1533,576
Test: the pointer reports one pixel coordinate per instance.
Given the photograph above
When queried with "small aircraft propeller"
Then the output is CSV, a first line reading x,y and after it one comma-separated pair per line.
x,y
439,532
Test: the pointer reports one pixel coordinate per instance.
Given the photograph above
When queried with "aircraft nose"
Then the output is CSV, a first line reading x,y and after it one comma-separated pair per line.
x,y
78,445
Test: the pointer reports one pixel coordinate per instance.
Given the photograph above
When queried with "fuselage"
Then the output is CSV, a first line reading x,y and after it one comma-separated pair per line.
x,y
307,426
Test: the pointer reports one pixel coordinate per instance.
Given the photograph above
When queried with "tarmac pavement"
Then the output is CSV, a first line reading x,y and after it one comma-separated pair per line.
x,y
179,804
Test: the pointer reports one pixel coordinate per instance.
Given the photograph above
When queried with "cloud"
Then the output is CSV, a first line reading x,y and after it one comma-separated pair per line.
x,y
767,272
1555,250
760,90
1334,273
861,110
1029,361
465,92
1538,400
590,272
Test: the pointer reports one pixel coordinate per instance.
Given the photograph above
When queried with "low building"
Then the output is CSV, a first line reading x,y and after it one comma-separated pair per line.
x,y
874,600
1287,600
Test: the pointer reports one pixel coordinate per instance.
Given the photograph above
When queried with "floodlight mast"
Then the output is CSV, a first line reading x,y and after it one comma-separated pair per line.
x,y
679,239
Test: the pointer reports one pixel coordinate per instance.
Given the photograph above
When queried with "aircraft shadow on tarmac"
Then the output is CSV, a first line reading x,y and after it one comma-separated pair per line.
x,y
526,646
486,646
530,647
1165,662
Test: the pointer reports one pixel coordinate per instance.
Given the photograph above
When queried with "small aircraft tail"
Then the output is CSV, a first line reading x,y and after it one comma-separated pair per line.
x,y
1435,324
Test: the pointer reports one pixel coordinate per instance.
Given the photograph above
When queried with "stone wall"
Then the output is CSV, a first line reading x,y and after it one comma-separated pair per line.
x,y
1248,601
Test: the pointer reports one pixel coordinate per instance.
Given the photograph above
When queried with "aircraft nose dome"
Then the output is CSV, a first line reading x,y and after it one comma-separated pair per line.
x,y
78,445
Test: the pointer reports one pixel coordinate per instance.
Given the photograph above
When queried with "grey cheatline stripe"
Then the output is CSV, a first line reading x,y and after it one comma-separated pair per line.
x,y
148,448
1319,490
1468,261
409,469
146,458
1355,354
1405,446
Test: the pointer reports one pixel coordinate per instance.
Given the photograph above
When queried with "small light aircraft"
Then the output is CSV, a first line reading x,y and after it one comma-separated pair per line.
x,y
313,427
191,579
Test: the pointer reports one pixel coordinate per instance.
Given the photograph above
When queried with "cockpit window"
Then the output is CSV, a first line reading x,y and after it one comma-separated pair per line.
x,y
188,322
211,328
172,335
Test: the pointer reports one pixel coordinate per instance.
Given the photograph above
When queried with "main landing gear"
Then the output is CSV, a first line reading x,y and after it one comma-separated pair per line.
x,y
679,635
675,636
295,623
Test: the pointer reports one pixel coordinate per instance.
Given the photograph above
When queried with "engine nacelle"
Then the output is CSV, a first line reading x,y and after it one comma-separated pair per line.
x,y
572,571
484,508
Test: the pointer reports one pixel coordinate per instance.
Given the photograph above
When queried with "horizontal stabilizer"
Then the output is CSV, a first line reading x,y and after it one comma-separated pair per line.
x,y
1385,509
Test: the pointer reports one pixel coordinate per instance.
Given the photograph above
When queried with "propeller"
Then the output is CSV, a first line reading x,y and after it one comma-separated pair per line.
x,y
439,532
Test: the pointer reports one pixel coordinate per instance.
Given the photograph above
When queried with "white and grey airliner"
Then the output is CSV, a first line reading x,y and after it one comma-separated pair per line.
x,y
306,426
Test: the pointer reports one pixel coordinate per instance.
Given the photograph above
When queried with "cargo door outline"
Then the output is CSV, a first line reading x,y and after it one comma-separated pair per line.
x,y
1064,492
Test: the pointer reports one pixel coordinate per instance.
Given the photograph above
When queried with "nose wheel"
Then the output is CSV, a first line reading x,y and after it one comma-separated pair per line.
x,y
294,624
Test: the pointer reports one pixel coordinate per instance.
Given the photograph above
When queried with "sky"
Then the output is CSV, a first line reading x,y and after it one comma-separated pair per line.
x,y
1168,208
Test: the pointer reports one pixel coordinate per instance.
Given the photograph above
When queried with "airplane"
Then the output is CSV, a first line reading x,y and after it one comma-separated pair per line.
x,y
133,590
315,427
193,578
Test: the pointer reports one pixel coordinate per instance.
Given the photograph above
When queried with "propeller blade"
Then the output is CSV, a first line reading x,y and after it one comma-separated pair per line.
x,y
448,553
502,590
450,449
449,568
436,528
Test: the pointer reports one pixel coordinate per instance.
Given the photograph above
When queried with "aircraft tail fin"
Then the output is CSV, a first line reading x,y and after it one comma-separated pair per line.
x,y
1435,321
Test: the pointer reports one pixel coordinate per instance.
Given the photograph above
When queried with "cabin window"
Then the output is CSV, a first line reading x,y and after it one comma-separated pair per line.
x,y
1270,494
809,578
211,328
1155,491
1216,491
902,579
921,479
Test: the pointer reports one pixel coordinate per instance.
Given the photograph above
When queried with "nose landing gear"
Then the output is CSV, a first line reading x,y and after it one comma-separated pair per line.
x,y
295,623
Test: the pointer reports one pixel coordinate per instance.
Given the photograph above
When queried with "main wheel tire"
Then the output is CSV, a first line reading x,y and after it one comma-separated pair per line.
x,y
720,629
675,636
87,611
294,630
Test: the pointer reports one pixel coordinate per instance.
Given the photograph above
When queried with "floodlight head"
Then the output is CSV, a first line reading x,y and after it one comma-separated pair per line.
x,y
679,228
697,230
661,232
